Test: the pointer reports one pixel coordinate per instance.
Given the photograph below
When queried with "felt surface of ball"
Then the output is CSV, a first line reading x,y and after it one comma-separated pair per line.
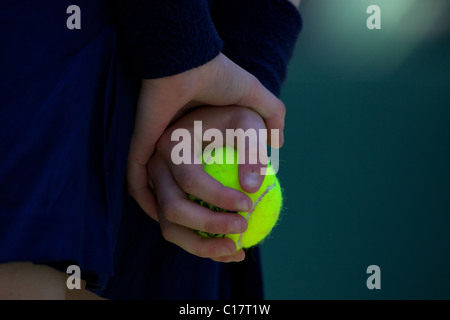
x,y
267,201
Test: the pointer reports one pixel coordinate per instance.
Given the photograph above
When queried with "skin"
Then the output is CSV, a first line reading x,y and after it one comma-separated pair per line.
x,y
161,188
28,281
219,82
177,215
25,281
162,103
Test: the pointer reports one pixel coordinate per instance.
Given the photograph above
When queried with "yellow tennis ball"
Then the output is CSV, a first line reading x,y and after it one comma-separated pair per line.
x,y
267,201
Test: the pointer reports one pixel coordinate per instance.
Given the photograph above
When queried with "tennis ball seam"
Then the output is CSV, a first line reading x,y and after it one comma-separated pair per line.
x,y
258,200
260,218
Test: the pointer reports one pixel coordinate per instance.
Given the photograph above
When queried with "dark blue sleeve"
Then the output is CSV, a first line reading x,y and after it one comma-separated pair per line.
x,y
258,35
164,37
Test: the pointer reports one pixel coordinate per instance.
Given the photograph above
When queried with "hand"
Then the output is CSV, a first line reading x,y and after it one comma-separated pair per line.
x,y
220,82
295,2
177,215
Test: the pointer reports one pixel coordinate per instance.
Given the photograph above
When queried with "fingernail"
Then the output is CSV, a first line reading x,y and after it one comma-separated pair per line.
x,y
252,180
243,205
223,251
235,227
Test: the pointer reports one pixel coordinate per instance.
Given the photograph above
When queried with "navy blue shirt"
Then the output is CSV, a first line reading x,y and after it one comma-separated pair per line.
x,y
67,100
61,143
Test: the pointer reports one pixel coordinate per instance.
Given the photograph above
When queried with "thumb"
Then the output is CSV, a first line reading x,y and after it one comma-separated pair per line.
x,y
251,143
232,85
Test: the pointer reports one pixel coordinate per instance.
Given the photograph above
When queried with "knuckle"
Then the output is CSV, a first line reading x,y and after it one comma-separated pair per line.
x,y
199,252
166,234
216,223
225,197
250,88
131,190
164,140
186,181
245,114
280,108
204,249
170,210
210,226
254,82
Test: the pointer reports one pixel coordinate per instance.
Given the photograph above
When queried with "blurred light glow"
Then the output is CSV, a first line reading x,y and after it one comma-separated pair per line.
x,y
344,45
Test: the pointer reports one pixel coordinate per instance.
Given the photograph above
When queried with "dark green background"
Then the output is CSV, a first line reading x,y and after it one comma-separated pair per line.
x,y
366,164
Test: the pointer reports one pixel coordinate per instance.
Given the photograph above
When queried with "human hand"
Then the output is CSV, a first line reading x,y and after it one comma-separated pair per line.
x,y
220,82
295,2
172,183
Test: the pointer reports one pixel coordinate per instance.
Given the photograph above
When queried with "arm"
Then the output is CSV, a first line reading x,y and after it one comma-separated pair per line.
x,y
259,35
266,58
176,50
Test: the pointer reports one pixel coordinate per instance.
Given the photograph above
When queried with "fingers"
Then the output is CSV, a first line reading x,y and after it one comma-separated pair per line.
x,y
271,109
236,257
232,85
195,181
267,105
253,152
156,108
177,208
217,249
247,137
178,216
219,82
